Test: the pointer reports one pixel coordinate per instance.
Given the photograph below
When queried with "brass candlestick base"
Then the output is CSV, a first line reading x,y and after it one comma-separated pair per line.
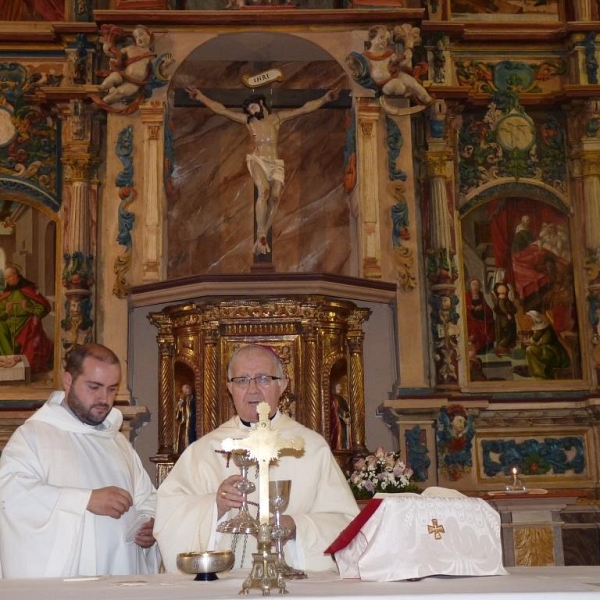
x,y
264,575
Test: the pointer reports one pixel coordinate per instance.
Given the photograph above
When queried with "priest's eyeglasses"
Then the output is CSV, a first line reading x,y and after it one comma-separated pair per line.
x,y
261,380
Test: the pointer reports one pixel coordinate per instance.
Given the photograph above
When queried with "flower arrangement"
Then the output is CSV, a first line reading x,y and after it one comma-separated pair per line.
x,y
380,472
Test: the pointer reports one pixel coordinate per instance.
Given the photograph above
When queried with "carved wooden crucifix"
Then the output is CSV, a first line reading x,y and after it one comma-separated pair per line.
x,y
264,163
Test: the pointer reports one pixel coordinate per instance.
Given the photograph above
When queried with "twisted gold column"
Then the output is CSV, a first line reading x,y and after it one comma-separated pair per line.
x,y
312,399
211,418
356,390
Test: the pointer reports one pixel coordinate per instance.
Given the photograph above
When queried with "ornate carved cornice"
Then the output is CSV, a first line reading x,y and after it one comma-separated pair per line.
x,y
207,286
256,17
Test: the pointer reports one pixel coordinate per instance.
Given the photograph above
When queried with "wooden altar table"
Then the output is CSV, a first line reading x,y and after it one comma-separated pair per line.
x,y
522,583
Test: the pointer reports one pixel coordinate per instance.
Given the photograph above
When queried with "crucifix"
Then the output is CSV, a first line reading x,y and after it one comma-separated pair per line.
x,y
264,164
263,444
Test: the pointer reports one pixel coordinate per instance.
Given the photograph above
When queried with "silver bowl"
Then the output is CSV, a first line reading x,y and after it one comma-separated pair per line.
x,y
205,565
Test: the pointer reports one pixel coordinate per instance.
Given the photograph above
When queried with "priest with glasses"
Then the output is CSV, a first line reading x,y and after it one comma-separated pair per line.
x,y
201,491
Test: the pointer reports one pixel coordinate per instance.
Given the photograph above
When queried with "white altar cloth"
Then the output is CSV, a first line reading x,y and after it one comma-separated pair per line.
x,y
521,583
407,536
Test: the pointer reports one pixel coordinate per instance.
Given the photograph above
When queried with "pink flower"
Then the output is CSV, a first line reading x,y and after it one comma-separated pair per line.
x,y
380,472
371,461
360,464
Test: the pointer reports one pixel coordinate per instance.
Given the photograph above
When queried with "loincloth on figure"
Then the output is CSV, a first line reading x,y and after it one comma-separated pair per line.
x,y
272,167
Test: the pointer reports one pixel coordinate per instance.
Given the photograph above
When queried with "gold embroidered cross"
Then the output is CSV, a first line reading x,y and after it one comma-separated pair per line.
x,y
436,529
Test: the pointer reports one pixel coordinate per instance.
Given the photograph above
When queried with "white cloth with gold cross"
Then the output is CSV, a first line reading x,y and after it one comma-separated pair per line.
x,y
411,536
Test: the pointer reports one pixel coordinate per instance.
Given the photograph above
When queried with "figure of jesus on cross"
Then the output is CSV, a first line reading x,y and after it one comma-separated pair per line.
x,y
264,164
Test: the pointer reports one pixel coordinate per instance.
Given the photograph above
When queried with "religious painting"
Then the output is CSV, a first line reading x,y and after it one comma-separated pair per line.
x,y
28,320
519,317
32,10
505,10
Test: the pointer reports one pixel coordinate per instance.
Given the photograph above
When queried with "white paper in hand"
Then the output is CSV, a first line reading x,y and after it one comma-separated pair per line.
x,y
140,519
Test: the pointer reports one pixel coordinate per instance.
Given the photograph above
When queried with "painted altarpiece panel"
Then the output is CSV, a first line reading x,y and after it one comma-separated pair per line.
x,y
503,10
32,10
28,323
519,313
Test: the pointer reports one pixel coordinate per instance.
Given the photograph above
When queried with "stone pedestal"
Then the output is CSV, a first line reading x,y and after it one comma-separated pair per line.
x,y
532,527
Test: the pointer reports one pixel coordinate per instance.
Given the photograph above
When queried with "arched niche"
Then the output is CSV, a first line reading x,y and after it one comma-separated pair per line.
x,y
186,408
28,342
517,294
210,213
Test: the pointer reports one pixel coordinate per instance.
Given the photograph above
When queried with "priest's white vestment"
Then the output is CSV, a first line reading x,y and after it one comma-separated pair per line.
x,y
321,502
48,470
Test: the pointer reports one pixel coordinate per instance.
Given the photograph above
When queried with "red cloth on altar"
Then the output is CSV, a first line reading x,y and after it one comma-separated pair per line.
x,y
355,526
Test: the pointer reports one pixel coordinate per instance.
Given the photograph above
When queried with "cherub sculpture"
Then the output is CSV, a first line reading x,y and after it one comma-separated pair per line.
x,y
135,69
129,65
386,71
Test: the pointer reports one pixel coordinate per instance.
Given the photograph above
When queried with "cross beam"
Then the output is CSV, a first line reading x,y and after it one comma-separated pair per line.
x,y
276,99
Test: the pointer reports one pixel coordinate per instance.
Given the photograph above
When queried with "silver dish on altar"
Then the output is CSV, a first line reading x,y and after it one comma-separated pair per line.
x,y
205,565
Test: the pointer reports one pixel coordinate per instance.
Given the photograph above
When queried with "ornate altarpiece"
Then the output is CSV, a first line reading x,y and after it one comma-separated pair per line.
x,y
426,259
319,340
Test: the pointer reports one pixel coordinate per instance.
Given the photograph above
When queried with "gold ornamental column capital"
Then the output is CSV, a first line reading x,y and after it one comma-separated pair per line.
x,y
437,162
79,168
164,324
590,163
152,115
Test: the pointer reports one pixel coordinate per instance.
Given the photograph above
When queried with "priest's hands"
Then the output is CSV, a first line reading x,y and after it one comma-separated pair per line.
x,y
228,495
110,501
144,536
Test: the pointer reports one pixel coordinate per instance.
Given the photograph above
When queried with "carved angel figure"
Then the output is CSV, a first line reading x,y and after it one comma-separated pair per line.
x,y
129,65
380,68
